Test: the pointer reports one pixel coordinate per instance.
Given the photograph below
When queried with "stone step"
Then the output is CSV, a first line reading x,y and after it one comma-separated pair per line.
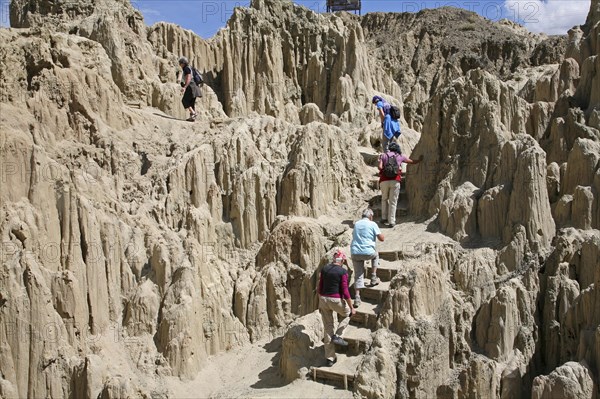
x,y
386,271
401,206
390,256
376,292
358,338
342,373
366,314
401,210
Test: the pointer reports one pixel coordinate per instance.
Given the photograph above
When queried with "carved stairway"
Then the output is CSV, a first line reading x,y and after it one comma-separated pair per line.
x,y
362,324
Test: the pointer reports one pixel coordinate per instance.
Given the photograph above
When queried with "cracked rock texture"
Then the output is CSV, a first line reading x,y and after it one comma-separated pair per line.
x,y
136,245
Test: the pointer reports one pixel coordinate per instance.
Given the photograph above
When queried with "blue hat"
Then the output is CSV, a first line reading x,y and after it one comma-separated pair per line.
x,y
376,99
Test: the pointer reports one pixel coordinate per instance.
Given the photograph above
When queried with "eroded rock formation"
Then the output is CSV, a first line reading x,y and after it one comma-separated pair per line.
x,y
506,169
135,245
425,51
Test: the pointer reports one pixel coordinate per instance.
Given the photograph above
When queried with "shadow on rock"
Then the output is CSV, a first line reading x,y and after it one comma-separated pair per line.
x,y
271,377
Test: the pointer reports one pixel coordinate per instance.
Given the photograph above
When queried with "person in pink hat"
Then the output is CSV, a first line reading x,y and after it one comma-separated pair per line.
x,y
334,297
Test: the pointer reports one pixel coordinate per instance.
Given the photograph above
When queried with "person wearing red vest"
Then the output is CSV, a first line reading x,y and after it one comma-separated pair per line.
x,y
334,297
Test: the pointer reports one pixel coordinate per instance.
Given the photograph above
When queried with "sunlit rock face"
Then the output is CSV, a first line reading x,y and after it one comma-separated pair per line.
x,y
135,245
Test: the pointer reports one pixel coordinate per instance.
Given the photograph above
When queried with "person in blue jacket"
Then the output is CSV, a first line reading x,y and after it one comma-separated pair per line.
x,y
391,127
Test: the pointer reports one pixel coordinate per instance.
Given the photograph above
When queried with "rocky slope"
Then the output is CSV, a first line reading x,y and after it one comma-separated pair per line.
x,y
427,50
490,182
135,245
282,60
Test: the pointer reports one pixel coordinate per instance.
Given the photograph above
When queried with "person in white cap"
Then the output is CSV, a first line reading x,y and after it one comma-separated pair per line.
x,y
334,297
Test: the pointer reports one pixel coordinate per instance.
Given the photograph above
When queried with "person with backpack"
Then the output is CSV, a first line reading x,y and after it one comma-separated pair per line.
x,y
390,121
334,297
390,175
363,248
190,87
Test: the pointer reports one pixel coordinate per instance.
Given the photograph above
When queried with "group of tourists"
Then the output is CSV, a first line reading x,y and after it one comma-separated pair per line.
x,y
333,287
334,295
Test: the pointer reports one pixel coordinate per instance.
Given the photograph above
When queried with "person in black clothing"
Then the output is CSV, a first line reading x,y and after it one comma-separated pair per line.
x,y
189,88
334,297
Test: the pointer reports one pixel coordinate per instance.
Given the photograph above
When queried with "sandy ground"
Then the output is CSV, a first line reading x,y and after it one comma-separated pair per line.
x,y
250,372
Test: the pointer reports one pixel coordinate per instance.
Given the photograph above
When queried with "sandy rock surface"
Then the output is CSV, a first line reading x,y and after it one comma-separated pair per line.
x,y
146,256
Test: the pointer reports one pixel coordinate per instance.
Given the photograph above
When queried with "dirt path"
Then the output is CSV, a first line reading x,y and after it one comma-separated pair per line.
x,y
249,372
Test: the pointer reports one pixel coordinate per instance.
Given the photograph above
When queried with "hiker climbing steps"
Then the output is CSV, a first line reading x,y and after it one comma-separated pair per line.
x,y
362,325
367,305
371,159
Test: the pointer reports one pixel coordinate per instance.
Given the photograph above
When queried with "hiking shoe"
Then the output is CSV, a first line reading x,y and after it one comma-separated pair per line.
x,y
357,302
374,281
383,221
190,119
331,362
339,341
386,224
